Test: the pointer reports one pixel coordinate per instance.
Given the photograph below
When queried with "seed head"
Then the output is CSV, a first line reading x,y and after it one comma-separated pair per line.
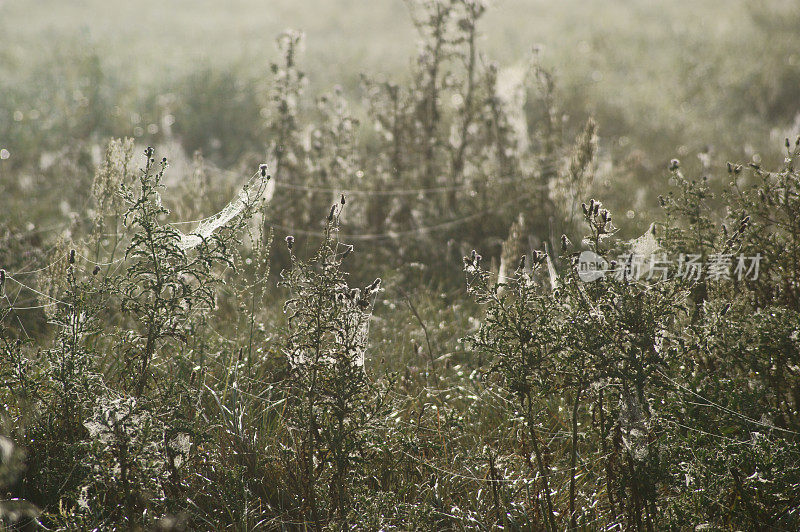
x,y
476,258
72,256
744,224
2,278
565,243
289,241
149,152
674,164
330,214
373,286
521,263
96,270
263,169
342,201
347,251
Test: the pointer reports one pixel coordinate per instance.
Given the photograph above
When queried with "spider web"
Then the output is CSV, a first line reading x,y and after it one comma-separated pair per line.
x,y
259,188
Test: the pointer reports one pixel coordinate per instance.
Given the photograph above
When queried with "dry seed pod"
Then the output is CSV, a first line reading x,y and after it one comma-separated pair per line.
x,y
263,169
289,241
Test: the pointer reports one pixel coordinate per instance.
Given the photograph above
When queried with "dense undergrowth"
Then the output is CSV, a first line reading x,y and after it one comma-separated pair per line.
x,y
331,351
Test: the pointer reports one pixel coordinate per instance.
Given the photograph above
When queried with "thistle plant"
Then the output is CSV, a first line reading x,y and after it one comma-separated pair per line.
x,y
286,151
164,285
331,402
519,335
556,339
52,386
739,352
769,201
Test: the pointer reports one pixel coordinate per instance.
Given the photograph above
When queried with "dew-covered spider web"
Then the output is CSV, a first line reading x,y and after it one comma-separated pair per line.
x,y
258,189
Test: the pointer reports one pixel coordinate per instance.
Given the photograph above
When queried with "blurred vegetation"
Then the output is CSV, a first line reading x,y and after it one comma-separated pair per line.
x,y
318,361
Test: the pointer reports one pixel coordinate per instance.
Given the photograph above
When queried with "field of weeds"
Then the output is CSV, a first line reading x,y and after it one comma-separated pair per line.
x,y
423,265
